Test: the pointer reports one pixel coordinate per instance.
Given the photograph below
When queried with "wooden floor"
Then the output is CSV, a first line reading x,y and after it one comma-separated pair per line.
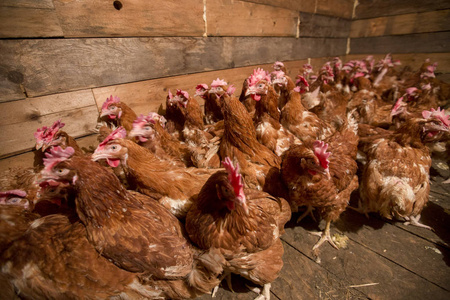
x,y
379,259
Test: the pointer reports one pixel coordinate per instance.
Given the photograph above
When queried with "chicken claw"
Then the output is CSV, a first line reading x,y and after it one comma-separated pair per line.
x,y
264,294
309,211
415,222
324,236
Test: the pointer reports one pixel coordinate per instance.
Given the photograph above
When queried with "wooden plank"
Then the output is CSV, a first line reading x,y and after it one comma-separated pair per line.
x,y
249,19
399,246
338,8
31,109
150,95
135,18
28,3
297,5
49,66
27,115
313,25
301,278
28,22
411,43
413,60
357,265
402,24
379,8
26,159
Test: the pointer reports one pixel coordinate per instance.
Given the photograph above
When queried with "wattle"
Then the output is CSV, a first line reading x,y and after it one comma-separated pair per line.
x,y
113,162
256,97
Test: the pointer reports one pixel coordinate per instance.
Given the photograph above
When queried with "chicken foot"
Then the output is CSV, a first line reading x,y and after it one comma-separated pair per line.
x,y
227,276
264,294
324,236
309,211
415,222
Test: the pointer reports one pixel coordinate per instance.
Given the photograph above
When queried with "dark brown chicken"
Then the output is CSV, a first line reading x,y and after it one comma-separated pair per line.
x,y
244,224
174,187
239,142
323,180
130,229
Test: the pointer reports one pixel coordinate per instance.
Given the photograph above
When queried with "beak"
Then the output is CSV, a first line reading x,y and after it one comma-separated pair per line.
x,y
98,154
104,113
243,203
249,91
39,145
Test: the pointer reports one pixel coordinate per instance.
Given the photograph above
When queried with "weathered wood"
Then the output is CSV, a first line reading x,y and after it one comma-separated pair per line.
x,y
313,25
402,24
393,244
338,8
357,265
27,115
379,8
28,22
150,95
26,159
99,18
411,43
297,5
32,109
28,3
302,278
249,19
54,66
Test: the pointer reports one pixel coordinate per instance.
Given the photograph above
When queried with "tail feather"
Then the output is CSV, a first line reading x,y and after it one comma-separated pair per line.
x,y
208,265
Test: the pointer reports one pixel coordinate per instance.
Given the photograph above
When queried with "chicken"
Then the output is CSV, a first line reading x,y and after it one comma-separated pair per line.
x,y
47,137
15,216
239,142
130,229
117,114
244,224
20,178
150,133
212,96
269,131
324,180
304,124
185,121
174,187
283,86
384,76
395,181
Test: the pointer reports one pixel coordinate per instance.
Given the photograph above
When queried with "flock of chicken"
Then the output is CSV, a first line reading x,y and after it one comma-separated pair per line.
x,y
166,207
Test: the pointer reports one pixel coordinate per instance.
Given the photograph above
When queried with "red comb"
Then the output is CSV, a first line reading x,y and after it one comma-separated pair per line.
x,y
152,117
57,155
231,89
396,106
46,134
118,133
234,176
218,82
201,89
320,150
110,101
439,114
258,74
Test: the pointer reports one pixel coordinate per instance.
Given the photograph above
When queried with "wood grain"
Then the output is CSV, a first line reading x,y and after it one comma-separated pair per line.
x,y
55,66
249,19
314,25
338,8
28,3
402,24
99,18
28,22
297,5
20,119
411,43
379,8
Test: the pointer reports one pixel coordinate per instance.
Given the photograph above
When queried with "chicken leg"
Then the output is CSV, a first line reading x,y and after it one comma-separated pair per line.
x,y
324,236
264,294
415,222
309,211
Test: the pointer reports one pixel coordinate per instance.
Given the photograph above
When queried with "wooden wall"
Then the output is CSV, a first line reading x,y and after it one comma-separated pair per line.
x,y
60,59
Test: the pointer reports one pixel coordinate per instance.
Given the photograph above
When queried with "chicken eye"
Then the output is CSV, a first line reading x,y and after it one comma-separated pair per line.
x,y
261,85
14,200
147,128
219,89
112,107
